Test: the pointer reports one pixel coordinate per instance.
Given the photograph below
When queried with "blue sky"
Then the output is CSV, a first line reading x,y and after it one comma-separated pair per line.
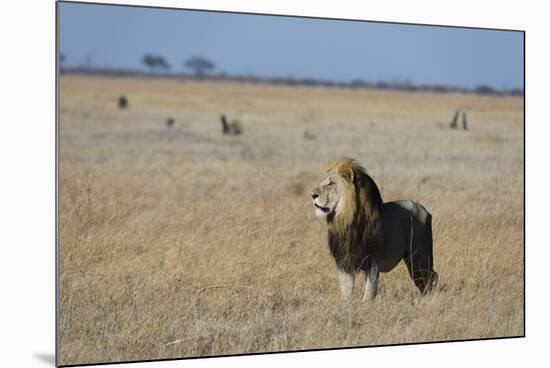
x,y
118,36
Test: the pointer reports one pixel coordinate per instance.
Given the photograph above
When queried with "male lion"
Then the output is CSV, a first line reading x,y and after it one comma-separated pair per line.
x,y
365,234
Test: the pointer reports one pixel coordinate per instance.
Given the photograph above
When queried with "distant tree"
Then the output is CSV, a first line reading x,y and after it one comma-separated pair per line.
x,y
382,85
155,62
149,61
161,63
357,83
200,66
440,88
485,90
516,92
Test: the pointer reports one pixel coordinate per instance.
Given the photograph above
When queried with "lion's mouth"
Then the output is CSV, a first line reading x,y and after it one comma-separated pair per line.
x,y
324,209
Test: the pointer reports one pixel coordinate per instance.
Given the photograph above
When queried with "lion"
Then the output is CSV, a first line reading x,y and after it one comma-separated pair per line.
x,y
365,234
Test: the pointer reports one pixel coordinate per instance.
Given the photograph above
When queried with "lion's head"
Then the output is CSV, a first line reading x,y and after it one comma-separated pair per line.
x,y
332,191
350,201
344,189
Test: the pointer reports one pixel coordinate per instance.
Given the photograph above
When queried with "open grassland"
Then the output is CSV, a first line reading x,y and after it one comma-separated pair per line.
x,y
180,242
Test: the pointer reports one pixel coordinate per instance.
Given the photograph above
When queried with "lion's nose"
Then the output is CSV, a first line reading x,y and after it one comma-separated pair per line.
x,y
314,195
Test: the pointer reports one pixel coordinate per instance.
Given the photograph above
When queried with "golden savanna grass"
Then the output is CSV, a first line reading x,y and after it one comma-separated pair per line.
x,y
181,242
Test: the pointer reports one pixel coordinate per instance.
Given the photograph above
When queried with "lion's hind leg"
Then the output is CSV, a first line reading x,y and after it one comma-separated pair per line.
x,y
421,272
419,256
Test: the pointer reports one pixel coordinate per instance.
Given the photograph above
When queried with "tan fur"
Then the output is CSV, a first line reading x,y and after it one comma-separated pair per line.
x,y
346,207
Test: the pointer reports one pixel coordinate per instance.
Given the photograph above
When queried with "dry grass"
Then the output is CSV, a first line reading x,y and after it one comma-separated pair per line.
x,y
182,242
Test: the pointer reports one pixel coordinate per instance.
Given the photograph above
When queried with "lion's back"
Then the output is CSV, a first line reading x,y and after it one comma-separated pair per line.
x,y
418,211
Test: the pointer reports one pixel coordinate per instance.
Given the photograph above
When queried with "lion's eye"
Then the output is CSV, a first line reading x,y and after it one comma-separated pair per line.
x,y
330,183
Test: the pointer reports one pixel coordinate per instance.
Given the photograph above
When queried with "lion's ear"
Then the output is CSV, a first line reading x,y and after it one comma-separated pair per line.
x,y
347,173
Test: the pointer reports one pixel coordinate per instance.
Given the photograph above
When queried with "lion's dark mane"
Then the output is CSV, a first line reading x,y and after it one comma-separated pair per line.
x,y
351,244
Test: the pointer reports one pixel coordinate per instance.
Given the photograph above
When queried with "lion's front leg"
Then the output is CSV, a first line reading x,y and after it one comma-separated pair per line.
x,y
371,282
347,282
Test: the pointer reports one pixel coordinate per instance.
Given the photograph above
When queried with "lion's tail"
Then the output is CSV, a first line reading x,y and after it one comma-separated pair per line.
x,y
433,276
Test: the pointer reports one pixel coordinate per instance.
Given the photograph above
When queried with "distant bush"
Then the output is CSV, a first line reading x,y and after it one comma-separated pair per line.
x,y
202,69
485,90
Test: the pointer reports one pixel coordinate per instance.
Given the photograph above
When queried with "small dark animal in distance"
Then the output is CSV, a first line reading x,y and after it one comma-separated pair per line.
x,y
454,122
169,122
308,135
464,121
230,127
122,102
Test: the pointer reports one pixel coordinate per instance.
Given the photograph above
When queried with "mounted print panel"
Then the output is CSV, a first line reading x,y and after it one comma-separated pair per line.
x,y
237,184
